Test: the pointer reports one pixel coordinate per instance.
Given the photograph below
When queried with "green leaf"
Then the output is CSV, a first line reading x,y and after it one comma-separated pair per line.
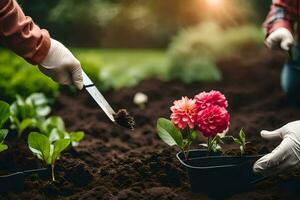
x,y
39,144
54,122
59,146
169,133
3,147
242,134
3,134
76,137
54,135
26,123
193,135
237,141
4,112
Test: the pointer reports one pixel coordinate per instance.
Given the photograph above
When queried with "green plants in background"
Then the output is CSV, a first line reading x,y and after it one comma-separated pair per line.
x,y
19,77
194,52
26,112
118,68
4,115
46,150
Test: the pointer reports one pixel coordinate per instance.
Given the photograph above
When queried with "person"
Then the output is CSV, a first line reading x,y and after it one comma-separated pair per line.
x,y
20,34
280,32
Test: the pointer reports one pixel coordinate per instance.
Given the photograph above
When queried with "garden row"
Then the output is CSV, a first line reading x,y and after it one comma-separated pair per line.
x,y
47,134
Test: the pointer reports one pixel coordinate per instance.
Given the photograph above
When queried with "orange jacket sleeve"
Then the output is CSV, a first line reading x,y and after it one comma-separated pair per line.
x,y
19,33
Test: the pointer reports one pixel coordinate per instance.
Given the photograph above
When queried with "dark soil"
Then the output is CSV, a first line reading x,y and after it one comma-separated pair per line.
x,y
123,118
114,163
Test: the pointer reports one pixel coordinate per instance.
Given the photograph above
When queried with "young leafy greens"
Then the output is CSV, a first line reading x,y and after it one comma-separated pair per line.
x,y
26,113
54,128
47,150
4,115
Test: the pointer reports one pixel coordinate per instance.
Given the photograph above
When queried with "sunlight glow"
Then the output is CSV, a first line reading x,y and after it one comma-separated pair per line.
x,y
214,3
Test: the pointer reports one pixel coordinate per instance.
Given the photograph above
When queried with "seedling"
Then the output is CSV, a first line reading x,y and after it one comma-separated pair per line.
x,y
26,113
241,140
54,128
46,150
4,115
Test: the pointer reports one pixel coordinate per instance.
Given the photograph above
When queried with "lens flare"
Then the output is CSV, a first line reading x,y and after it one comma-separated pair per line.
x,y
214,3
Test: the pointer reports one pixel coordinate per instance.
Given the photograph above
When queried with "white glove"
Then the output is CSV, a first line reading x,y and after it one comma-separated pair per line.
x,y
280,38
284,157
62,66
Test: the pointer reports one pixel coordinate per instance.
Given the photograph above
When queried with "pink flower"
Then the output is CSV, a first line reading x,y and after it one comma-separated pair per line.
x,y
213,120
206,99
184,113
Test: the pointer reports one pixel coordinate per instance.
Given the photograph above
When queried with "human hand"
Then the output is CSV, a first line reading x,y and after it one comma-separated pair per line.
x,y
284,157
281,38
61,65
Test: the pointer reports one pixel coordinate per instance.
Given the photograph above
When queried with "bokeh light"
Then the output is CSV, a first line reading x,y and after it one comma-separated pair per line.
x,y
214,3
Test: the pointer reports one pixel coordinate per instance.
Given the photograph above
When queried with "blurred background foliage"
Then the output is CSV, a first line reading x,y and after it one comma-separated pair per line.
x,y
136,23
121,42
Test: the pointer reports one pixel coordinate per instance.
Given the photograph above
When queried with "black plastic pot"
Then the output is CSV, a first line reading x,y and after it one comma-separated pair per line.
x,y
222,174
15,181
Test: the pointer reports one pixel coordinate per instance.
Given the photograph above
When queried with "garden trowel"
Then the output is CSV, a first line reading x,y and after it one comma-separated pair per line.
x,y
98,97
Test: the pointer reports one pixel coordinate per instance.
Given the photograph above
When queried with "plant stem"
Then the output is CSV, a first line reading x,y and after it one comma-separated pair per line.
x,y
189,142
184,153
52,172
209,144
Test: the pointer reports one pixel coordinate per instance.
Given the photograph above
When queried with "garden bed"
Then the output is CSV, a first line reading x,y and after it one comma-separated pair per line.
x,y
115,163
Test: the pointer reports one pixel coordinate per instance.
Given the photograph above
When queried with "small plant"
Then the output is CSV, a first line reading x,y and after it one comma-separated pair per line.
x,y
54,128
205,114
4,115
27,112
241,140
46,149
3,134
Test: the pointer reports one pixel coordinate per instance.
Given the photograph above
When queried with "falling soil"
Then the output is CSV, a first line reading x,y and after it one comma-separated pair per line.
x,y
123,118
113,164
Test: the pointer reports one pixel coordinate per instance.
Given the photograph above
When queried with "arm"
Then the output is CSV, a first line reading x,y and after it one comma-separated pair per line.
x,y
20,34
283,14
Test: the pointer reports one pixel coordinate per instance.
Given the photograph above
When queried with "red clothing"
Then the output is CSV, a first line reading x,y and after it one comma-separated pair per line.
x,y
284,13
20,34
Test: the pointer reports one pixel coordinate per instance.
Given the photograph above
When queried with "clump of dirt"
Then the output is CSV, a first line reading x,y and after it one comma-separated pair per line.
x,y
123,118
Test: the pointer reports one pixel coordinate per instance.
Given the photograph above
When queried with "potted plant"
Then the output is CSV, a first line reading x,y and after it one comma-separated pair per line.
x,y
208,168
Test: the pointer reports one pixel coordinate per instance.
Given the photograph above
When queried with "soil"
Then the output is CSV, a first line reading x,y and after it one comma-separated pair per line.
x,y
123,118
116,163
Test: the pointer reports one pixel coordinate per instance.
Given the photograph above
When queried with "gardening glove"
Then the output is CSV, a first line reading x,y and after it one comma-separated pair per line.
x,y
62,66
284,157
281,38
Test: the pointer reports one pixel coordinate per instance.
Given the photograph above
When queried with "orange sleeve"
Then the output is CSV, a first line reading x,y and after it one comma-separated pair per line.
x,y
19,33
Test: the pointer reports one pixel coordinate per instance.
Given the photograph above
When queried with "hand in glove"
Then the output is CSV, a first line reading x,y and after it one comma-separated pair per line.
x,y
62,66
284,157
280,38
